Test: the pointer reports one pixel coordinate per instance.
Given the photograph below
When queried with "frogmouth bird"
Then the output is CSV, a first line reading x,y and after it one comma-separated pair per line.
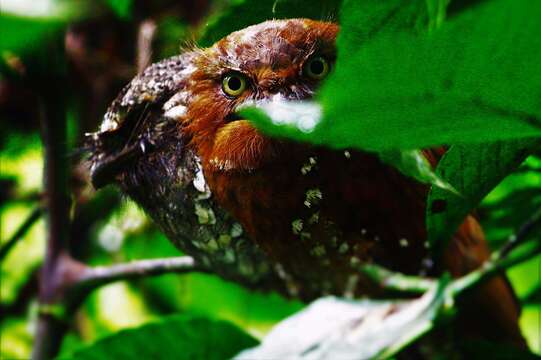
x,y
269,212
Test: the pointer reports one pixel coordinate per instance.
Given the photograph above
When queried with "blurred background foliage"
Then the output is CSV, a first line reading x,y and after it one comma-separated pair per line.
x,y
100,39
86,51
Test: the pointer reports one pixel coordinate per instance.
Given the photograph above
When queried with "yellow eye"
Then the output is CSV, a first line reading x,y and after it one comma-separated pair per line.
x,y
316,68
233,84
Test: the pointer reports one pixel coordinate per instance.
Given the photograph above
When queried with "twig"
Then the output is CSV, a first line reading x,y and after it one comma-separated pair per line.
x,y
490,268
516,238
392,281
100,275
500,260
21,231
77,281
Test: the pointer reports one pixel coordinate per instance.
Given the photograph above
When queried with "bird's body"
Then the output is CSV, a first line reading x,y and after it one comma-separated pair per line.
x,y
315,213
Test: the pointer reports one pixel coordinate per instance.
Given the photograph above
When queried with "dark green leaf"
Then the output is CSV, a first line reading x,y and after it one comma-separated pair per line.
x,y
500,219
362,22
436,12
474,80
473,170
174,337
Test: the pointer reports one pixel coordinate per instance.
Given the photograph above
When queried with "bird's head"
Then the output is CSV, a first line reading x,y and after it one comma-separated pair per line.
x,y
193,98
274,61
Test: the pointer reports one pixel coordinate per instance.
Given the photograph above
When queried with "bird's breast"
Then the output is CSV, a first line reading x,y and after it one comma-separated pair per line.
x,y
319,214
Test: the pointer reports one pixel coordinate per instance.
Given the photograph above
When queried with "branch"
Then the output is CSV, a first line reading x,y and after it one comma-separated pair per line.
x,y
49,331
77,280
100,275
393,281
80,280
499,261
21,231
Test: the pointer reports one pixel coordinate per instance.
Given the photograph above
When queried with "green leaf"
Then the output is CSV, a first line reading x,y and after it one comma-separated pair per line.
x,y
473,170
249,12
281,117
510,203
474,80
362,22
412,163
174,337
436,12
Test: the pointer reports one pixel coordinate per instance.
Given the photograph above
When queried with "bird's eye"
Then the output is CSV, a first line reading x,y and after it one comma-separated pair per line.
x,y
316,68
233,84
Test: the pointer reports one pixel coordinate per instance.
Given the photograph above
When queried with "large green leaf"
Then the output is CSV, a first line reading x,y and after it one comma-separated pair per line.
x,y
473,170
362,22
173,337
476,79
281,117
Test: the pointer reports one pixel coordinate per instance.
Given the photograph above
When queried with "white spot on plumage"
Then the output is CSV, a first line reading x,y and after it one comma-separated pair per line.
x,y
108,125
176,112
199,180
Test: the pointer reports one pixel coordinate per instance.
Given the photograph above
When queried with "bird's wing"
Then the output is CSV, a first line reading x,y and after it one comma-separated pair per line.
x,y
136,117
